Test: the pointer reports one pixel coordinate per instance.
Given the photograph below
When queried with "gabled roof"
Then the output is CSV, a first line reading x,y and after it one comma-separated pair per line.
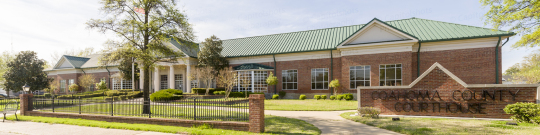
x,y
423,30
252,66
77,62
189,51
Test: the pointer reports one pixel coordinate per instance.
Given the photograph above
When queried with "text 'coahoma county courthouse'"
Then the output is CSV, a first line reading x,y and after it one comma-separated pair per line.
x,y
378,53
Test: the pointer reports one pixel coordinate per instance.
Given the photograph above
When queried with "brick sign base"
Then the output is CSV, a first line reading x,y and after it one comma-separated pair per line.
x,y
438,92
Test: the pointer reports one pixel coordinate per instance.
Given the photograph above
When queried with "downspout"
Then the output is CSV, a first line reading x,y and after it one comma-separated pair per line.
x,y
108,77
497,61
331,68
275,68
418,60
83,71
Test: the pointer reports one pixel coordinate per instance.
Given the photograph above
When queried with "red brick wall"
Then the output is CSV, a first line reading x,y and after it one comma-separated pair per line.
x,y
76,76
473,66
445,85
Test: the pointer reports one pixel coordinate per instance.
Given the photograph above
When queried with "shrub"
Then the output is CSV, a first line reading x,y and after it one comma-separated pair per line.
x,y
332,97
282,94
73,87
101,85
165,95
112,93
339,97
222,92
47,95
174,91
524,112
348,96
275,96
317,97
323,97
302,97
369,112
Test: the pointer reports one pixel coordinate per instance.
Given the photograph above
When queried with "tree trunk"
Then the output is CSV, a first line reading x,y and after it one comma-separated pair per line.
x,y
146,89
7,92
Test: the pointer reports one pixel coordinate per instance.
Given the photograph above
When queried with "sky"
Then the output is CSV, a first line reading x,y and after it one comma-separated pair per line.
x,y
59,25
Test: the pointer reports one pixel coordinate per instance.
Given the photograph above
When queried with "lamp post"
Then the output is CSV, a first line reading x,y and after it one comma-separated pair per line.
x,y
26,88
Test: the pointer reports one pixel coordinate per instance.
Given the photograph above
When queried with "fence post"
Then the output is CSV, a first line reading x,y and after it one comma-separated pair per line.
x,y
79,105
53,104
149,113
194,109
112,108
25,101
256,113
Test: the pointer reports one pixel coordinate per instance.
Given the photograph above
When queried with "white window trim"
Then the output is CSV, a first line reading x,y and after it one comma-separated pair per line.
x,y
297,82
369,76
252,73
323,80
395,74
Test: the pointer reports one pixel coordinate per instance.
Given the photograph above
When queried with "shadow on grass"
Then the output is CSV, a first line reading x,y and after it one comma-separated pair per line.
x,y
289,126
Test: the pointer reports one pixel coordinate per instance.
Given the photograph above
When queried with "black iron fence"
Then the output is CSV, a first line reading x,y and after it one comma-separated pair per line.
x,y
5,101
194,109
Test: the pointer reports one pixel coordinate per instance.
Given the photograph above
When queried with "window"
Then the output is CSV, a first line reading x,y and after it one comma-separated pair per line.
x,y
63,86
178,81
259,81
244,76
126,84
164,84
194,83
117,84
359,76
390,75
289,79
71,81
319,79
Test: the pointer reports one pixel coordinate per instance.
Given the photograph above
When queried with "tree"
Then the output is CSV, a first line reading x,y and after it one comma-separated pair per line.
x,y
228,77
245,82
73,52
101,85
143,28
53,86
334,84
206,75
271,80
5,58
528,70
210,54
520,16
86,81
26,68
125,68
73,88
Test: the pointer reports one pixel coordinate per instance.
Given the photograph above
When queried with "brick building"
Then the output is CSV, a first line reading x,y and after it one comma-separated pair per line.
x,y
378,53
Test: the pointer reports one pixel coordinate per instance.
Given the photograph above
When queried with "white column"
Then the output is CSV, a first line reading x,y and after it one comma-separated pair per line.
x,y
188,80
141,77
156,79
171,77
252,81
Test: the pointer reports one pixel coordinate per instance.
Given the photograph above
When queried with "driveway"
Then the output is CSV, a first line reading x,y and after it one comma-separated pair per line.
x,y
329,122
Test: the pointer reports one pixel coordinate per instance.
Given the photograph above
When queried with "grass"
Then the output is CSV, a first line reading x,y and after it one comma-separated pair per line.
x,y
309,105
441,126
273,125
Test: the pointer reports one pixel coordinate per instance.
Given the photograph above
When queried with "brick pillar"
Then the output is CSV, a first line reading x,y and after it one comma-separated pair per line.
x,y
256,113
26,103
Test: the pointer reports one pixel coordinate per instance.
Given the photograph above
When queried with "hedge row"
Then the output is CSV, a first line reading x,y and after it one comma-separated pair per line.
x,y
203,90
236,94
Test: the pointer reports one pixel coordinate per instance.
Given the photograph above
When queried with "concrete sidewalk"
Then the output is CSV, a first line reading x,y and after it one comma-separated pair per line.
x,y
329,122
34,128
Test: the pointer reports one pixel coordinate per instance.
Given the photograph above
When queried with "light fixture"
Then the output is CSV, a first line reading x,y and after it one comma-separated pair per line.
x,y
26,88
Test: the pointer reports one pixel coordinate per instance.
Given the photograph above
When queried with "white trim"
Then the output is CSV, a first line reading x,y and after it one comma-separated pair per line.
x,y
359,51
457,44
378,23
453,77
286,57
62,59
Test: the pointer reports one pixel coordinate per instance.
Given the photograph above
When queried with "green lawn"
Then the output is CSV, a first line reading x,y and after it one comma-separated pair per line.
x,y
163,111
309,105
439,126
273,125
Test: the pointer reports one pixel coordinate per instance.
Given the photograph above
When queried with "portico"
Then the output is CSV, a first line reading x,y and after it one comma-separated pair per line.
x,y
171,75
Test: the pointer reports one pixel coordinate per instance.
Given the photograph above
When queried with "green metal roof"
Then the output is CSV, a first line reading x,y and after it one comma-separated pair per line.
x,y
252,66
328,39
76,61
